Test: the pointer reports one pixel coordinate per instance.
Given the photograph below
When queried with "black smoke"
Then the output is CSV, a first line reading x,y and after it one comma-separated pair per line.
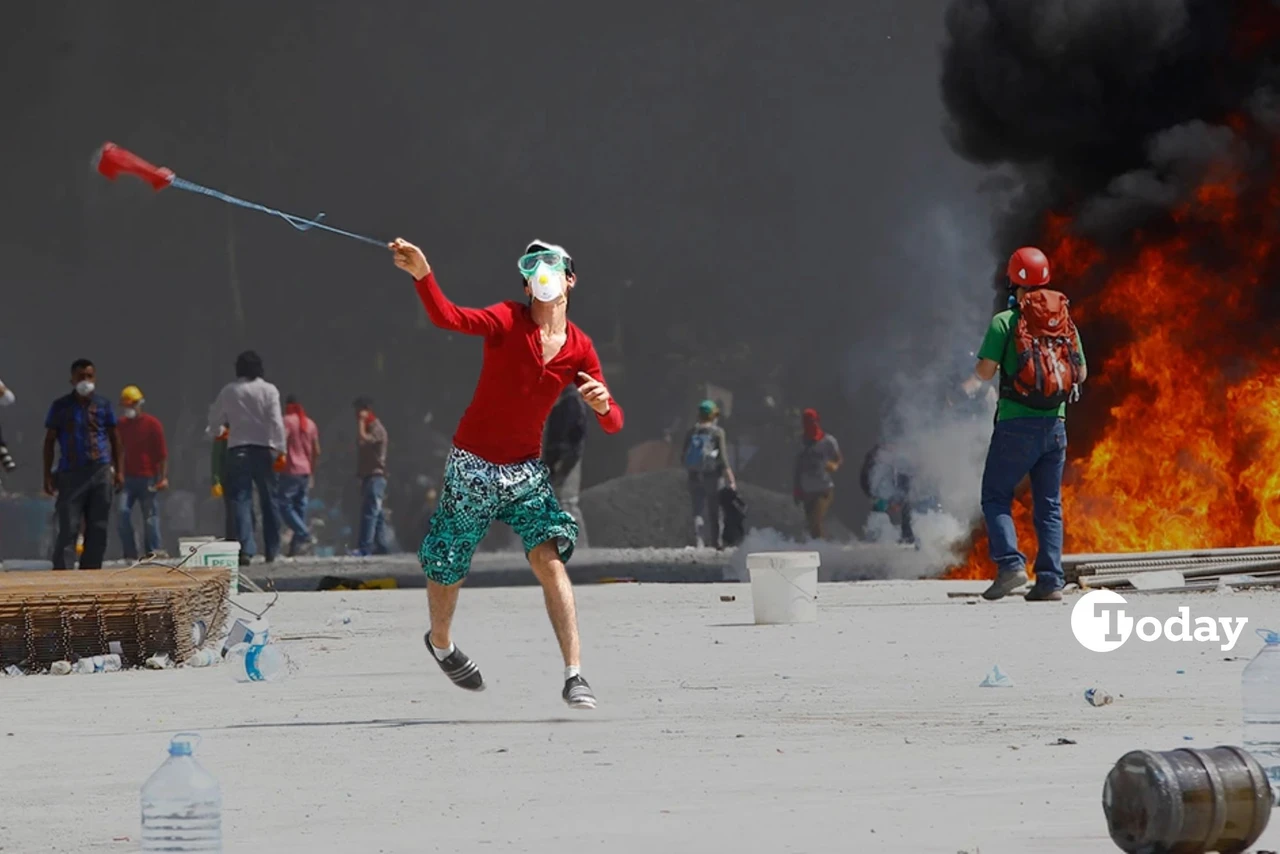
x,y
1110,111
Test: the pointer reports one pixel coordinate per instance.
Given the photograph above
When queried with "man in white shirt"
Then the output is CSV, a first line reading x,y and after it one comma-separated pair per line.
x,y
256,453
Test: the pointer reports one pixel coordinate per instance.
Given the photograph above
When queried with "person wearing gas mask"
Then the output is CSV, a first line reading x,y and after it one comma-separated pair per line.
x,y
82,427
495,472
146,465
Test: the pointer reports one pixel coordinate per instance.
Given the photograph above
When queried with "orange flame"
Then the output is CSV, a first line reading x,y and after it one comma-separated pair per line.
x,y
1187,457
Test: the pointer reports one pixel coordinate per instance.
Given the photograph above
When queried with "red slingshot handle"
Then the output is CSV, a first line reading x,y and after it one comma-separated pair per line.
x,y
114,160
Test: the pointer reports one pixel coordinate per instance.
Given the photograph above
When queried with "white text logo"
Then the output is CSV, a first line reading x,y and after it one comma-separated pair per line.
x,y
1101,623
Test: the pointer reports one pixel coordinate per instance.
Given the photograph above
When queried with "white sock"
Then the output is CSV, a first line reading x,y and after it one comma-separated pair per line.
x,y
442,654
571,671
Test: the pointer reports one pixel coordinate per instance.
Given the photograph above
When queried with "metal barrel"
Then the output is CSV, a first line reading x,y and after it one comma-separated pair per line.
x,y
1186,801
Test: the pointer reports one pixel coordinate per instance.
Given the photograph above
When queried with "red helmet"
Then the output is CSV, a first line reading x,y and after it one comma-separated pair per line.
x,y
1028,268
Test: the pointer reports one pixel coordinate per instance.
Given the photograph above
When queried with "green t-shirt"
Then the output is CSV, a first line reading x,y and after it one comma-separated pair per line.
x,y
996,347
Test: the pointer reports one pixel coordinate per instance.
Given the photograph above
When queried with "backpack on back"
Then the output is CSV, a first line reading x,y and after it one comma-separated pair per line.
x,y
1049,361
703,453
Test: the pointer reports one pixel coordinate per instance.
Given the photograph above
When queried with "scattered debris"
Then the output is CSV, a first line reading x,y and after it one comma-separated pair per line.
x,y
342,618
996,679
1098,697
158,662
202,658
728,598
60,668
688,687
1181,672
13,670
1060,742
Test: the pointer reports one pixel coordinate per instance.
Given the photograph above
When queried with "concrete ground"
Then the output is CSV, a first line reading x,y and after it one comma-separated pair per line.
x,y
864,732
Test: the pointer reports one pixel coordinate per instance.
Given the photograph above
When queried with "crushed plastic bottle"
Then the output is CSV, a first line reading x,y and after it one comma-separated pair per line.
x,y
1260,689
257,661
98,664
182,803
202,658
997,678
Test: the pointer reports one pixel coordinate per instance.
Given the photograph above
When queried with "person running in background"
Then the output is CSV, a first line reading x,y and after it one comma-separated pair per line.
x,y
706,459
495,472
7,463
303,439
82,426
817,461
563,443
256,452
146,466
371,468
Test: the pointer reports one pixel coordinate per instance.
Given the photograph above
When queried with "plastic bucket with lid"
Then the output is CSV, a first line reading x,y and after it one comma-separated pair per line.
x,y
212,553
784,586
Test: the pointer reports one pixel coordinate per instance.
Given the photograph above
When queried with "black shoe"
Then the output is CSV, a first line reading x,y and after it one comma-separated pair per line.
x,y
1044,594
1005,583
245,560
577,693
461,670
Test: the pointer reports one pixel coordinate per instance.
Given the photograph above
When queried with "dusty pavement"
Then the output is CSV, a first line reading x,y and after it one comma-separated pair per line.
x,y
865,732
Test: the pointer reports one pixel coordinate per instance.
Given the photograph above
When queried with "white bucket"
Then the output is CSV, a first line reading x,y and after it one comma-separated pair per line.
x,y
209,553
784,586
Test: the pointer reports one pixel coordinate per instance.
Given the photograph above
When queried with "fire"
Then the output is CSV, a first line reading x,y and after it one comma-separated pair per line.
x,y
1187,455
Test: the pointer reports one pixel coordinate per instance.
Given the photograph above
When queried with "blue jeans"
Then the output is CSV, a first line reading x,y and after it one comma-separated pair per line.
x,y
373,531
249,466
139,490
1021,447
293,505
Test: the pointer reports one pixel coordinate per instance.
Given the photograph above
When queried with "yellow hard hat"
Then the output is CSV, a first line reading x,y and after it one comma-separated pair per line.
x,y
131,394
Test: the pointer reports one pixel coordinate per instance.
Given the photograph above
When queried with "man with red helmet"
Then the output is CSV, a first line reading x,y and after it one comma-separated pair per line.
x,y
1036,349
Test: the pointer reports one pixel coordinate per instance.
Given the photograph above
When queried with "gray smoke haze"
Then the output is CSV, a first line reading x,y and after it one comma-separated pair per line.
x,y
730,180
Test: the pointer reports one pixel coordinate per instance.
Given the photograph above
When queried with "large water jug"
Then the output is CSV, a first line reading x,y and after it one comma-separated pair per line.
x,y
182,803
1261,690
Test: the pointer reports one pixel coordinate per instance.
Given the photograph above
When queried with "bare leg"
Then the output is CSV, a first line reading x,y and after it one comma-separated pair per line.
x,y
558,593
441,601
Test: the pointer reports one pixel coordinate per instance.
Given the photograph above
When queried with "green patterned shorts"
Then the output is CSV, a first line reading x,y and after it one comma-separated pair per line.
x,y
477,493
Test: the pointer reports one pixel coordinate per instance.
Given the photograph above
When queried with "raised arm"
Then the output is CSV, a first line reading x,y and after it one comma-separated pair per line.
x,y
442,311
594,391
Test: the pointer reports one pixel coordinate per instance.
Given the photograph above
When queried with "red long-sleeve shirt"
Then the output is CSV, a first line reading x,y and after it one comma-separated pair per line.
x,y
516,390
142,440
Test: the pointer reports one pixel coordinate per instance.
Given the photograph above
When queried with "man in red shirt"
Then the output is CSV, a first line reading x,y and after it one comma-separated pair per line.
x,y
146,463
495,471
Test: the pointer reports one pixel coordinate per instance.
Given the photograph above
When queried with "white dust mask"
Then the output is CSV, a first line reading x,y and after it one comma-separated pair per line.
x,y
84,388
547,283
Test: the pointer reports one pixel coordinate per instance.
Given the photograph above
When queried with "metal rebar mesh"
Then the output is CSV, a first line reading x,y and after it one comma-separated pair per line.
x,y
52,616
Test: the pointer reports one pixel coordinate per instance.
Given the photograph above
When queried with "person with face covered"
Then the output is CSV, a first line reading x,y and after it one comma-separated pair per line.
x,y
146,463
495,472
81,426
818,460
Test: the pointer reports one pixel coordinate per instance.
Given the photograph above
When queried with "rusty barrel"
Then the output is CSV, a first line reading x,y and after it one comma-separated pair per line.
x,y
1186,801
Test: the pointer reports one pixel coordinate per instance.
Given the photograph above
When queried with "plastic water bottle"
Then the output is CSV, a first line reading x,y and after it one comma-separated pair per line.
x,y
1261,690
182,803
257,661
